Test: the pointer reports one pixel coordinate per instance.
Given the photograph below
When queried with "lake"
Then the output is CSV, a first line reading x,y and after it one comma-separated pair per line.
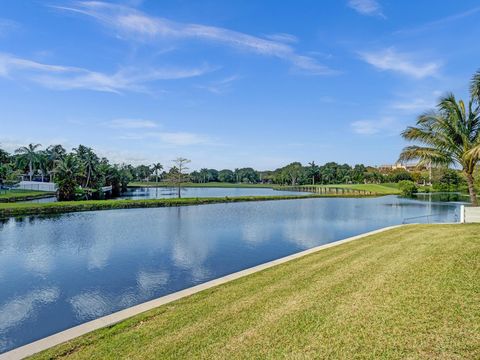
x,y
60,271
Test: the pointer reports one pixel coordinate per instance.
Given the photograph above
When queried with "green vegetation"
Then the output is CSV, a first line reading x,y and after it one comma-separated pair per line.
x,y
380,189
407,187
22,195
409,293
450,135
13,209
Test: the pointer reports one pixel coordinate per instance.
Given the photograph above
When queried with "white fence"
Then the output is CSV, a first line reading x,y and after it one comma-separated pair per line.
x,y
39,186
469,214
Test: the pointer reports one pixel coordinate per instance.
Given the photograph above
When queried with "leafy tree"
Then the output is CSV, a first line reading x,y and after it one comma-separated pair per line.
x,y
178,173
293,172
449,180
407,187
226,175
449,135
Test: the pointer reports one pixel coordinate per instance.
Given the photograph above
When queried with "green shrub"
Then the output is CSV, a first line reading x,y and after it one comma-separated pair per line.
x,y
407,187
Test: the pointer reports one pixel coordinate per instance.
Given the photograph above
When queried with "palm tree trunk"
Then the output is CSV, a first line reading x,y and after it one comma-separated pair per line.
x,y
30,169
471,190
88,178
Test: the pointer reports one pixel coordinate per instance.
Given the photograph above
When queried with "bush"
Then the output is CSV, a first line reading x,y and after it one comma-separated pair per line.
x,y
407,187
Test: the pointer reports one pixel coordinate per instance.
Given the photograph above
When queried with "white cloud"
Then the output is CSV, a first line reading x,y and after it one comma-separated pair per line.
x,y
61,77
179,138
371,127
7,26
131,124
22,307
390,59
439,22
220,86
139,26
282,37
366,7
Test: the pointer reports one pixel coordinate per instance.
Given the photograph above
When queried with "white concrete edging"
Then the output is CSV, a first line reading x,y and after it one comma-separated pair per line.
x,y
108,320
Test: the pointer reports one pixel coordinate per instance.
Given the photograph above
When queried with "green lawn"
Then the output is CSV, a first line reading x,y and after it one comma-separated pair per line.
x,y
383,189
210,184
19,195
412,292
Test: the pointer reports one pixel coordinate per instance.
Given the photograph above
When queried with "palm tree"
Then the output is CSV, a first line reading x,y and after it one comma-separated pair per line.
x,y
54,153
67,170
313,171
43,162
89,161
450,135
29,155
157,167
204,175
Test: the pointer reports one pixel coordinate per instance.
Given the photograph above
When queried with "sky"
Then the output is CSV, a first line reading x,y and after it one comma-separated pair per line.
x,y
230,83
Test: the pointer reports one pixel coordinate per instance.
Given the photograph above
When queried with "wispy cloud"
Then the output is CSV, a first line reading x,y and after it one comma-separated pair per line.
x,y
7,26
60,77
170,138
366,7
440,22
371,127
138,26
282,37
391,59
131,124
220,86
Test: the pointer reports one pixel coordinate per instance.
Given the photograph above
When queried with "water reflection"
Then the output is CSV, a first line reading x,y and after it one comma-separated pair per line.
x,y
59,271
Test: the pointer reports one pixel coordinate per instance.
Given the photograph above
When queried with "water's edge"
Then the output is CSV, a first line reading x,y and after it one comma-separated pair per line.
x,y
108,320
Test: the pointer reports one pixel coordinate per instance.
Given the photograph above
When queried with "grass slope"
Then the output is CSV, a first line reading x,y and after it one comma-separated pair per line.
x,y
411,293
22,195
384,189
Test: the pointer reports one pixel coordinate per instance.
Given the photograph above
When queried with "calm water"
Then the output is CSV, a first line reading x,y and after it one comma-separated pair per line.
x,y
57,272
194,192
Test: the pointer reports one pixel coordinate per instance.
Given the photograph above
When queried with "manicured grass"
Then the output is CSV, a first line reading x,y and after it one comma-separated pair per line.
x,y
210,184
20,209
412,292
22,195
383,189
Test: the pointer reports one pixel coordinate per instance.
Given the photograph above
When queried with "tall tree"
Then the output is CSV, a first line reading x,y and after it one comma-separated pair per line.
x,y
449,135
313,171
89,160
67,171
156,168
178,173
29,154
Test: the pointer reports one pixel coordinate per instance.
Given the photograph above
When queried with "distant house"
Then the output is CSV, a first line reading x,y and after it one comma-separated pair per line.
x,y
398,165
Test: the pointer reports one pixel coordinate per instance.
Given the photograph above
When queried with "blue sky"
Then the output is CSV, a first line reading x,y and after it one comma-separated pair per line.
x,y
230,83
